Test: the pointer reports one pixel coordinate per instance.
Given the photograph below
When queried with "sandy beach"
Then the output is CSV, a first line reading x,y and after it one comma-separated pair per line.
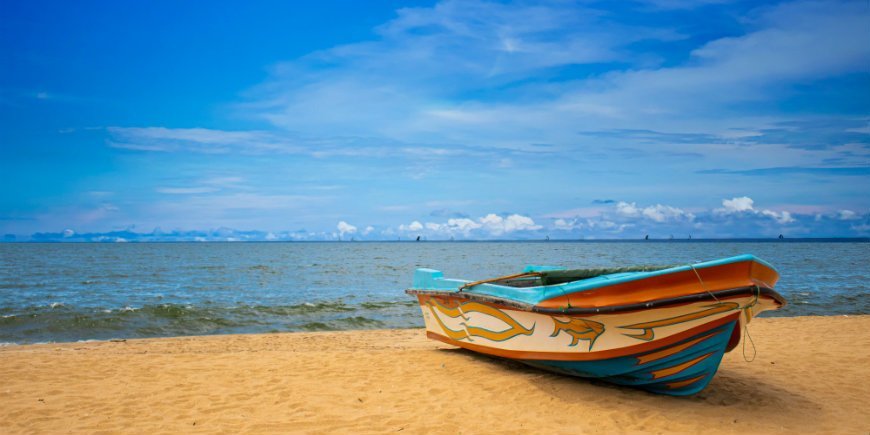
x,y
811,374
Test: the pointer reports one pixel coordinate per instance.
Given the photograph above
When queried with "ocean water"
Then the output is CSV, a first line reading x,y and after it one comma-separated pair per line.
x,y
70,292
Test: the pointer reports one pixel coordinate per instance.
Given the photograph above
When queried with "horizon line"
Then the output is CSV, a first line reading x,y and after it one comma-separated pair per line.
x,y
411,240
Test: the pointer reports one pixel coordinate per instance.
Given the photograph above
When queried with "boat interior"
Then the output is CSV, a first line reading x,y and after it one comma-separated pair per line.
x,y
555,277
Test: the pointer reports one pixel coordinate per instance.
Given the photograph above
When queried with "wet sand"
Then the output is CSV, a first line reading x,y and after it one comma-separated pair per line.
x,y
811,374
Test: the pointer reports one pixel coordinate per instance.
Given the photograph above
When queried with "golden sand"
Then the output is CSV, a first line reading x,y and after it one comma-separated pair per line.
x,y
811,374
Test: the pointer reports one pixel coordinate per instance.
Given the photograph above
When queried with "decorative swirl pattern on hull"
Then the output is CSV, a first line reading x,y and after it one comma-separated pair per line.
x,y
648,334
579,329
514,328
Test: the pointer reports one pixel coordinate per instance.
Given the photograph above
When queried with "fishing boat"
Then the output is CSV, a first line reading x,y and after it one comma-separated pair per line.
x,y
662,329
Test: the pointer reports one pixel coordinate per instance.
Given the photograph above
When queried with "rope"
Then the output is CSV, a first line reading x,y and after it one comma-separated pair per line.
x,y
754,301
745,324
745,336
703,286
746,328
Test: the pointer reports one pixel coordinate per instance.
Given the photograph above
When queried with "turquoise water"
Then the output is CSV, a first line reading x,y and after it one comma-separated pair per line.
x,y
69,292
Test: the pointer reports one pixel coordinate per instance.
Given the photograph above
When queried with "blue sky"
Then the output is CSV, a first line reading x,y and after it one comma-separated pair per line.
x,y
466,120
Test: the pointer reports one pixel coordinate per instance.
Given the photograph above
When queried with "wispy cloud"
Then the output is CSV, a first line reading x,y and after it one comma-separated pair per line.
x,y
185,190
211,141
420,78
477,74
855,171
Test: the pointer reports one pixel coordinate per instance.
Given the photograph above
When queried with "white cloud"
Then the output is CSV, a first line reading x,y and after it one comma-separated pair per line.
x,y
744,205
490,225
737,205
627,209
657,213
562,224
782,217
414,226
738,218
662,213
345,228
461,225
847,215
497,225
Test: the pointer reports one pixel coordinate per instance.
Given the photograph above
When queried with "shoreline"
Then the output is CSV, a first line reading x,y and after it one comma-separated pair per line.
x,y
810,374
768,315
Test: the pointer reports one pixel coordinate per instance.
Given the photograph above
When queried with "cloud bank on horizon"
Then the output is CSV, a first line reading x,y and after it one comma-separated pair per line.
x,y
447,120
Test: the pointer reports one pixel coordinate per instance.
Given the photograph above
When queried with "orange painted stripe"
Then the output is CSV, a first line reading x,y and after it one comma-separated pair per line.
x,y
680,384
588,356
456,298
643,359
722,277
663,373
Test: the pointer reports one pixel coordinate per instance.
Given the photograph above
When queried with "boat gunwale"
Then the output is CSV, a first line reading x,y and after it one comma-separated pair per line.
x,y
550,292
610,309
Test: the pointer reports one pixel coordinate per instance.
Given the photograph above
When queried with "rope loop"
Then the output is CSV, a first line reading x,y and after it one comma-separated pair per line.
x,y
754,302
745,336
703,286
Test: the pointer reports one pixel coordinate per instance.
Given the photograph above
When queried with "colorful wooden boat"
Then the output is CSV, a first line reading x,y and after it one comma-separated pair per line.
x,y
660,329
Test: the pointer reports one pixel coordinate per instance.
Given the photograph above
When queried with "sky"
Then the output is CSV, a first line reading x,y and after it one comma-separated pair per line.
x,y
217,120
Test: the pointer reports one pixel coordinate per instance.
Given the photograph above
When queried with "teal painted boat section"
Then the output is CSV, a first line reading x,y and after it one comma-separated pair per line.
x,y
430,279
632,371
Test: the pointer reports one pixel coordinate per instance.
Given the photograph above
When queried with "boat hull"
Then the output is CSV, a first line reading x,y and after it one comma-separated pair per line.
x,y
672,350
662,330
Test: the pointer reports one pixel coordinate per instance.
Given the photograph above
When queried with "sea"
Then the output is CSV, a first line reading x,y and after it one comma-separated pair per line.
x,y
61,292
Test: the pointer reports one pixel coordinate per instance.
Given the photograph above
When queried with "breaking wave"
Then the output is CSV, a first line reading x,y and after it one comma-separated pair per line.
x,y
60,322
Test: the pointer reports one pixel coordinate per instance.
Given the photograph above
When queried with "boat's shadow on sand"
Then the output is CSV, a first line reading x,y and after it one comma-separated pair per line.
x,y
751,395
